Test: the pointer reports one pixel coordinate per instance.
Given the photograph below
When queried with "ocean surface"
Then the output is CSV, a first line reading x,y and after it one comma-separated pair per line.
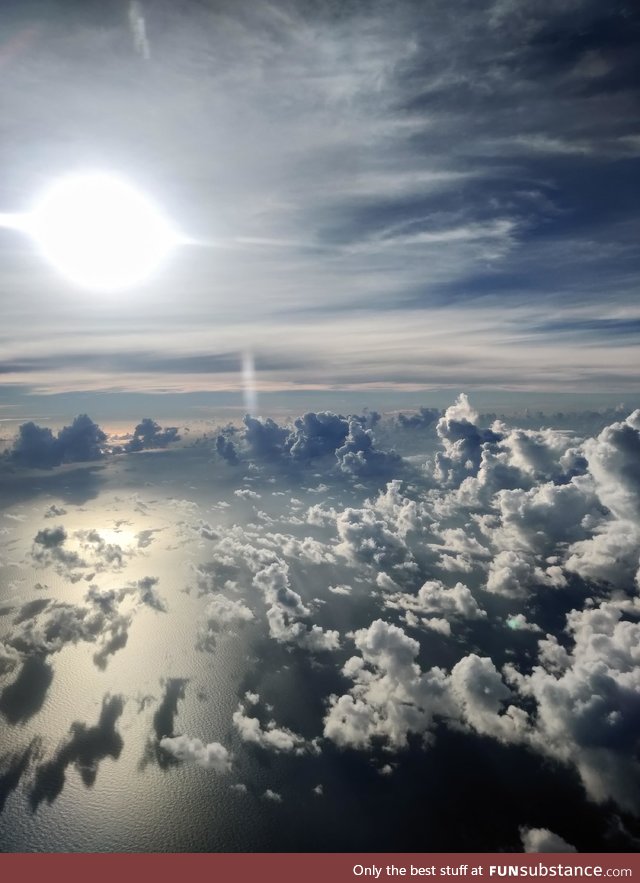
x,y
81,768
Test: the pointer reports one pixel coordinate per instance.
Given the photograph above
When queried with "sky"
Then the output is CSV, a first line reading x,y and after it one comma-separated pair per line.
x,y
325,535
404,198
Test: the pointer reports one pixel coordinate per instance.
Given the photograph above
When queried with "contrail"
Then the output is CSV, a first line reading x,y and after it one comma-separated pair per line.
x,y
249,383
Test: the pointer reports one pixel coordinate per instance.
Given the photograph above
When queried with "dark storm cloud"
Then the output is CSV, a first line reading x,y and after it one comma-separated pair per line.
x,y
226,449
149,434
264,439
316,435
37,446
85,748
81,441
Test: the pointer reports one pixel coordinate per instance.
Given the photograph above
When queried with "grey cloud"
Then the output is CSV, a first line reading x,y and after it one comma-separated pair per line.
x,y
264,438
226,449
50,538
148,434
9,658
317,435
358,456
37,446
422,420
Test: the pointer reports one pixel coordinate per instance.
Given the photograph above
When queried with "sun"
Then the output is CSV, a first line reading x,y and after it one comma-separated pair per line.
x,y
100,233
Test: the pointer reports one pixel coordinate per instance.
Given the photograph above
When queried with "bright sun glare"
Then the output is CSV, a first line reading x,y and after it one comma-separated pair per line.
x,y
99,232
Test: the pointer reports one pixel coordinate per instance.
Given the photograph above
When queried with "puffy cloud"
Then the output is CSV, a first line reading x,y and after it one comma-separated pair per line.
x,y
273,796
246,494
61,623
611,555
358,456
614,462
514,574
317,435
145,591
340,590
81,441
285,608
55,511
212,756
401,514
588,700
51,537
37,446
391,696
273,581
227,450
222,615
539,519
92,552
263,438
271,737
365,537
433,598
459,549
9,658
462,441
518,622
543,840
543,455
480,693
149,434
43,630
